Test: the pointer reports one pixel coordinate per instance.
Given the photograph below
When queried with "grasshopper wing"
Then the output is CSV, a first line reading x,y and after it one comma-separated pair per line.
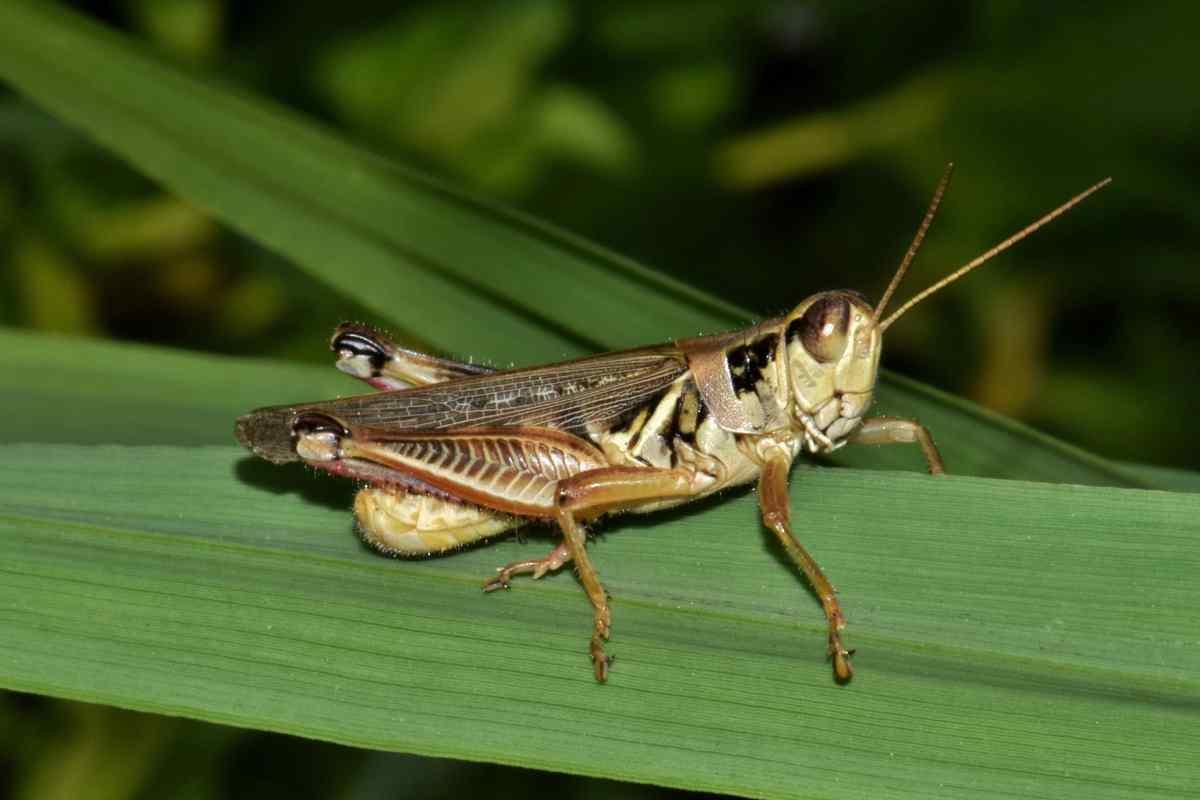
x,y
576,397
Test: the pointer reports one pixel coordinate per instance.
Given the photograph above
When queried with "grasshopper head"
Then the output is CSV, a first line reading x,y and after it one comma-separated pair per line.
x,y
833,346
834,339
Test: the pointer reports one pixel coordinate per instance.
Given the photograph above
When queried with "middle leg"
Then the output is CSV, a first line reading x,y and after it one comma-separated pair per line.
x,y
597,491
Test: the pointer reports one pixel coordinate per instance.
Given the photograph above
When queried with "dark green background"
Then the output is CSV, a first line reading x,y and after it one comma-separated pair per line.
x,y
762,151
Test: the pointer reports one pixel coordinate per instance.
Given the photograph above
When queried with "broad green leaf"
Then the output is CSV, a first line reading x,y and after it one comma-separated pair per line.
x,y
464,276
999,650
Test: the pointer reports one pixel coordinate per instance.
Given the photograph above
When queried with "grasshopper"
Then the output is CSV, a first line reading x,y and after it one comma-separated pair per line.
x,y
451,453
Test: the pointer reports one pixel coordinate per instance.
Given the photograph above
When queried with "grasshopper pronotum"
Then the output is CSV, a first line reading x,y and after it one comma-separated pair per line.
x,y
451,452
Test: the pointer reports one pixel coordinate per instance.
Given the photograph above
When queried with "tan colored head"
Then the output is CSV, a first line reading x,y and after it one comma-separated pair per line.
x,y
834,339
833,348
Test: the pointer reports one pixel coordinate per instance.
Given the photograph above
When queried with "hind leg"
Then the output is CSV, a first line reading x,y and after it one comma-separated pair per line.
x,y
368,355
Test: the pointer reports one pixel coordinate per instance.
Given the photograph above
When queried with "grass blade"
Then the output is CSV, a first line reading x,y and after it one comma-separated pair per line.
x,y
998,650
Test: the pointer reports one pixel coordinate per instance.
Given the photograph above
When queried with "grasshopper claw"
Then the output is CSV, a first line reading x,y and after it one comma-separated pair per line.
x,y
600,660
841,659
498,582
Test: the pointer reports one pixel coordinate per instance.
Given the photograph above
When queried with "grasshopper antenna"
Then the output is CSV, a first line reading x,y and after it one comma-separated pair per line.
x,y
916,242
995,251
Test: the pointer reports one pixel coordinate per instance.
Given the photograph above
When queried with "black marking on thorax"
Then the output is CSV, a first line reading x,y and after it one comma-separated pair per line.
x,y
628,420
747,362
686,416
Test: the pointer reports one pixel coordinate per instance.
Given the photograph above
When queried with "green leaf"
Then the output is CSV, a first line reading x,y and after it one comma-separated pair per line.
x,y
998,649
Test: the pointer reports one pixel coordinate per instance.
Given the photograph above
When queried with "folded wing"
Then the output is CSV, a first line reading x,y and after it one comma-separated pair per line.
x,y
577,397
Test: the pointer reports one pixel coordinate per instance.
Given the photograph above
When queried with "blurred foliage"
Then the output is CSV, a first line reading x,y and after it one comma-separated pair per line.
x,y
762,150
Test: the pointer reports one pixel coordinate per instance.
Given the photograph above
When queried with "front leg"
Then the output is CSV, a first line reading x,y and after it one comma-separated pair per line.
x,y
893,430
776,515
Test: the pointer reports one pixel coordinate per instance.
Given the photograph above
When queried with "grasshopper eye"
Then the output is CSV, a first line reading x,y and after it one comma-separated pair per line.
x,y
822,328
